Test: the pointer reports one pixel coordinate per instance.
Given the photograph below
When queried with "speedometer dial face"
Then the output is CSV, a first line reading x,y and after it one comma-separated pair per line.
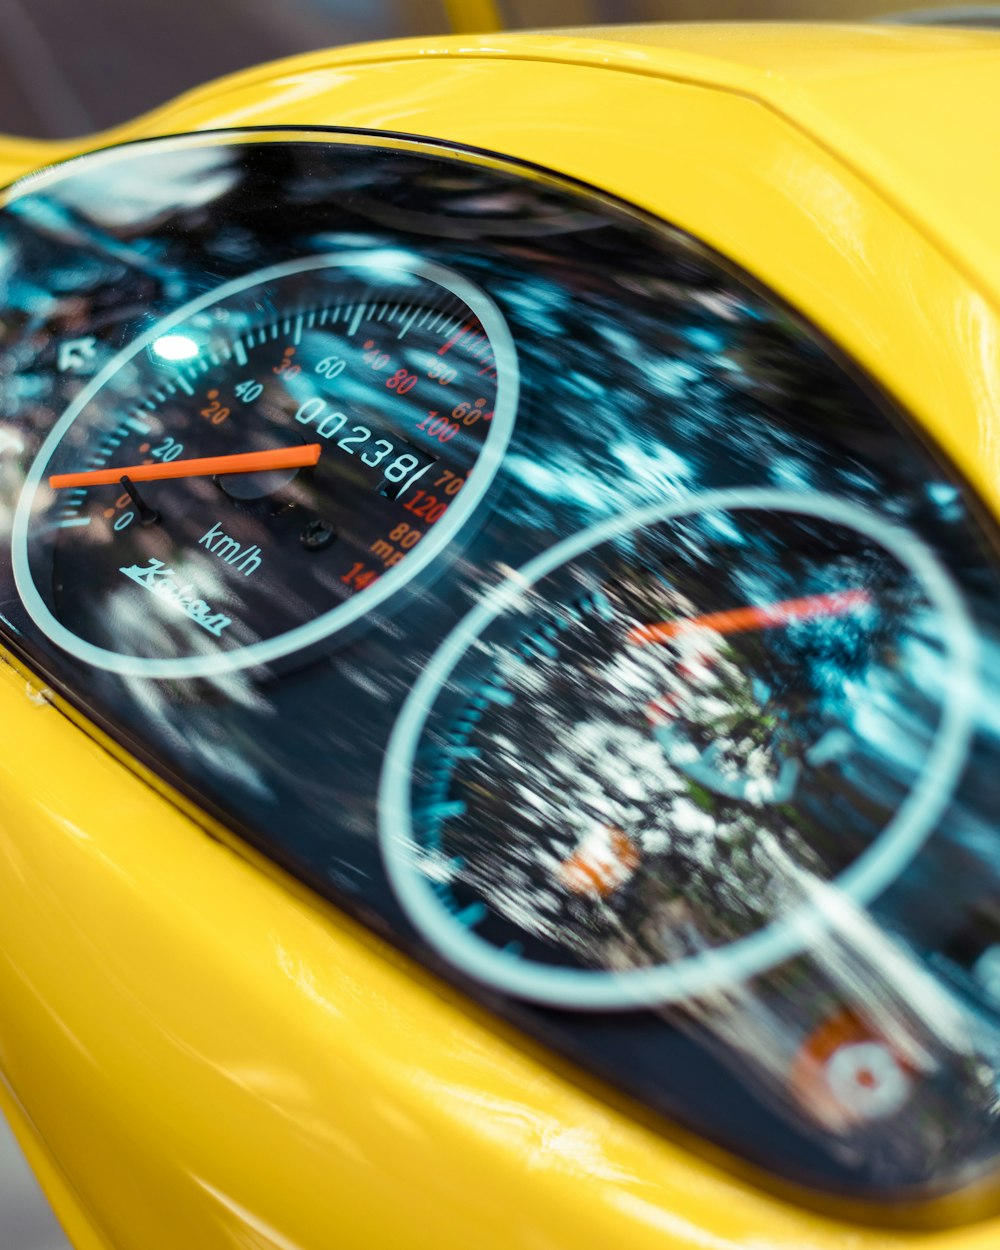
x,y
378,391
638,778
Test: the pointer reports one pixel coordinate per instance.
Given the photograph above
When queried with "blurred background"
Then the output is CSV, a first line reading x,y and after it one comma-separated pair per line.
x,y
69,67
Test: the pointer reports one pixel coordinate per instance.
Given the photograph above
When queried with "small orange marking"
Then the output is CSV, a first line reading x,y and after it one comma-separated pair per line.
x,y
369,344
808,1075
603,861
109,512
289,351
213,394
144,448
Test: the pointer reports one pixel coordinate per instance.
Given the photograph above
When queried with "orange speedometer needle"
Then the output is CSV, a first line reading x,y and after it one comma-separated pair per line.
x,y
209,466
741,620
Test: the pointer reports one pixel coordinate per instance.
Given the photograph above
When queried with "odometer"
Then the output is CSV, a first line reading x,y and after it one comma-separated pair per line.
x,y
143,544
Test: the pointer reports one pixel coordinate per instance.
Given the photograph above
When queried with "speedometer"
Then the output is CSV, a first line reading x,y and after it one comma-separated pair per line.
x,y
260,468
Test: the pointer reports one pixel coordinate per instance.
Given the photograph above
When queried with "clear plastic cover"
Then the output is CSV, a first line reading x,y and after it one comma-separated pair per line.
x,y
622,653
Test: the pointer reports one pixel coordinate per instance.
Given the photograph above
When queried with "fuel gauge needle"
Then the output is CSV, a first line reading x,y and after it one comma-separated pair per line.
x,y
741,620
209,466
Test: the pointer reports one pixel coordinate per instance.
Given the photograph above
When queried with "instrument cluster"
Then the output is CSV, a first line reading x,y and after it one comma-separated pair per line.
x,y
546,593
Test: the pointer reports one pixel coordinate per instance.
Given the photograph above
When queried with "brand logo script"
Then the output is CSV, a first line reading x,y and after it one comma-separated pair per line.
x,y
157,578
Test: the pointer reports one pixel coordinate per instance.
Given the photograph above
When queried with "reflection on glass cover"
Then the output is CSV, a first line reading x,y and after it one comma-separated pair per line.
x,y
608,641
687,750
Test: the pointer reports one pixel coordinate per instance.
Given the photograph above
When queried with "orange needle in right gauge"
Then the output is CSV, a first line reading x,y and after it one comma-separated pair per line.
x,y
742,620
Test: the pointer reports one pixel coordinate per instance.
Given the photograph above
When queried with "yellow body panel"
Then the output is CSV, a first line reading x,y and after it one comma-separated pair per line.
x,y
196,1050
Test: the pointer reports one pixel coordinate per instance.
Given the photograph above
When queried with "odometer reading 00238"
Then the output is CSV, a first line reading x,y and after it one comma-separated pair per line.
x,y
237,485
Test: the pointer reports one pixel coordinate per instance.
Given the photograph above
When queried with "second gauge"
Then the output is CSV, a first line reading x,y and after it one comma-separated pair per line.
x,y
646,766
265,465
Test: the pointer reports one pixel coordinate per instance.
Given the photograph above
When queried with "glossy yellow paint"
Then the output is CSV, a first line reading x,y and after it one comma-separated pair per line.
x,y
199,1052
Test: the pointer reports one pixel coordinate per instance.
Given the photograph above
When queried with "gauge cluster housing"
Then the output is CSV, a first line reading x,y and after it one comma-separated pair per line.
x,y
609,707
